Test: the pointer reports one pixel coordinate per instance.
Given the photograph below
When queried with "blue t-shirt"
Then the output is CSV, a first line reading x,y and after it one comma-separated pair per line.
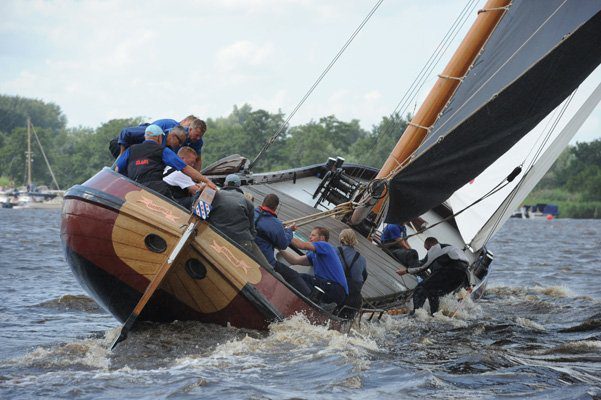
x,y
393,232
326,264
135,134
196,145
169,158
166,124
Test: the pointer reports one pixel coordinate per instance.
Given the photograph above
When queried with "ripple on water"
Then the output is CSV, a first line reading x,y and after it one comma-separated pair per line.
x,y
69,302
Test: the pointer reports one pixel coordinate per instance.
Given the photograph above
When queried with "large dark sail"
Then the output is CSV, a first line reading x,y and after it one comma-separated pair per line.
x,y
539,53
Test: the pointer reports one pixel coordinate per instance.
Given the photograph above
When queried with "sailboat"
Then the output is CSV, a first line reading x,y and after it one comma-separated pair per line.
x,y
456,173
32,196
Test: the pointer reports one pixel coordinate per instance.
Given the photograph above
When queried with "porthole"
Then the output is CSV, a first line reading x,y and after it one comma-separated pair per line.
x,y
155,243
195,269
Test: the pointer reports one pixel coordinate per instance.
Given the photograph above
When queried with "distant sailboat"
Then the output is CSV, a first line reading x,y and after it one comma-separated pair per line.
x,y
32,196
462,150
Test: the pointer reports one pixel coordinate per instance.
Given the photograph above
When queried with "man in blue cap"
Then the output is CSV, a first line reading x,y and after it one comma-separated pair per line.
x,y
145,162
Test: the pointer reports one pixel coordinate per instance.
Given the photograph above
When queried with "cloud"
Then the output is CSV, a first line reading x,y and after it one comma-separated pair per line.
x,y
242,54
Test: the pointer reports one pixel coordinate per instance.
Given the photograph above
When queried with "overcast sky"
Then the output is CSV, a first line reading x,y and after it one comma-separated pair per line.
x,y
100,60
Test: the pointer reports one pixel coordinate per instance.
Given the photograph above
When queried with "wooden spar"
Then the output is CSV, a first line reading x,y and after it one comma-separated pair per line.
x,y
28,154
443,89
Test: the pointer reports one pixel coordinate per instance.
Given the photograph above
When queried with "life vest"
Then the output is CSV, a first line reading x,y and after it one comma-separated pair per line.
x,y
145,165
145,162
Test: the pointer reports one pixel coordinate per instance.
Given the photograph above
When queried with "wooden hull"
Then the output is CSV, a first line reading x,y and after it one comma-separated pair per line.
x,y
110,229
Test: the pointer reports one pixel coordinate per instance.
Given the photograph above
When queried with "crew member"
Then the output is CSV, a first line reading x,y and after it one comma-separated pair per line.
x,y
394,238
183,188
329,274
233,215
271,232
355,270
449,272
145,162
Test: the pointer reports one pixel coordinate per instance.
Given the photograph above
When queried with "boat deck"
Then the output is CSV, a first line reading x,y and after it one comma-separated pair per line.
x,y
382,284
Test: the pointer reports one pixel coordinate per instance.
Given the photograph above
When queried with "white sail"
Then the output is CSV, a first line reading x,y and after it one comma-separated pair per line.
x,y
478,223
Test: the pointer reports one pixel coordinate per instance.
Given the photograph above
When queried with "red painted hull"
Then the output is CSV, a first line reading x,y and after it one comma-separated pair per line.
x,y
105,223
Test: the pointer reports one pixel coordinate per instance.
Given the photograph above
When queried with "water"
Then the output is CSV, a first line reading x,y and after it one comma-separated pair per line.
x,y
536,334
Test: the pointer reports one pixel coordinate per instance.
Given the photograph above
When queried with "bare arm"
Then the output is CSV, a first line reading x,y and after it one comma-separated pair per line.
x,y
295,259
198,177
194,188
299,244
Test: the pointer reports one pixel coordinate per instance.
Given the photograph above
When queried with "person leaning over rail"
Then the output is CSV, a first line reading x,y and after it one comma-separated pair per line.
x,y
174,138
196,130
183,188
449,272
145,163
135,134
355,270
329,275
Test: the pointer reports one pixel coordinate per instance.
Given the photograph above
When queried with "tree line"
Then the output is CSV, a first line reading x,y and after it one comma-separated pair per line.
x,y
76,154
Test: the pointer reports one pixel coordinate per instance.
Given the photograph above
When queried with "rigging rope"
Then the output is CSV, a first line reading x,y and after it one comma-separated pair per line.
x,y
531,164
340,209
494,190
397,170
45,158
432,62
323,74
434,59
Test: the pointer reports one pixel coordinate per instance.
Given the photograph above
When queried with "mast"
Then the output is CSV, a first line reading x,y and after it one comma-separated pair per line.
x,y
439,95
28,154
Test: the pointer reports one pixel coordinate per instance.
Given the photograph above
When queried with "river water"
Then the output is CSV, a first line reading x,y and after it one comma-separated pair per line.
x,y
536,333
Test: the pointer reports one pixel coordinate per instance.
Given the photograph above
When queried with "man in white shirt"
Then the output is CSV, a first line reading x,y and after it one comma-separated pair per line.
x,y
182,187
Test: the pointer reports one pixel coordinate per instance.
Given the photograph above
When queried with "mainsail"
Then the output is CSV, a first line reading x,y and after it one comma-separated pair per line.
x,y
538,54
536,152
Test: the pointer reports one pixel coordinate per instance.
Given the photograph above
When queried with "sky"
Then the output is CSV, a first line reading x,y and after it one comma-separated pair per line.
x,y
100,60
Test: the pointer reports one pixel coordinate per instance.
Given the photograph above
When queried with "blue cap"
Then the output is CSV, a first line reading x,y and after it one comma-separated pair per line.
x,y
153,130
232,180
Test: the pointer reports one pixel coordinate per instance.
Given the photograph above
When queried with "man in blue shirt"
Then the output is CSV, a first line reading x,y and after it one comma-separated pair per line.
x,y
174,138
189,132
394,238
271,232
146,161
329,274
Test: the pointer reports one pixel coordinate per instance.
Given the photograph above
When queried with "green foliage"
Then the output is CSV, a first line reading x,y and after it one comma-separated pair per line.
x,y
5,181
75,154
14,111
373,149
